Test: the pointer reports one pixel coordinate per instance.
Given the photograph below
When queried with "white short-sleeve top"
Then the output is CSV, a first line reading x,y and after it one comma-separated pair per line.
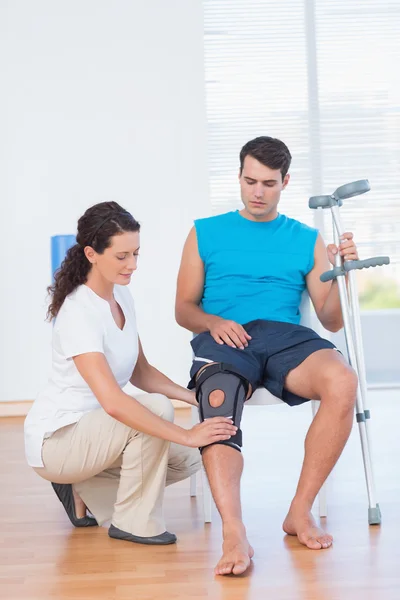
x,y
83,324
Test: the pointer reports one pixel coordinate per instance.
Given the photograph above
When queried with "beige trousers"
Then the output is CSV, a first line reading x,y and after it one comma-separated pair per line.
x,y
119,473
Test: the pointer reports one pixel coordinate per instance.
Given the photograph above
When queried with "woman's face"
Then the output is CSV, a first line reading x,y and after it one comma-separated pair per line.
x,y
119,260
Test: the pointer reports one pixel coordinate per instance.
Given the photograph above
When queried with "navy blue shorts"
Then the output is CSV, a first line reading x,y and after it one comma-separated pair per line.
x,y
275,349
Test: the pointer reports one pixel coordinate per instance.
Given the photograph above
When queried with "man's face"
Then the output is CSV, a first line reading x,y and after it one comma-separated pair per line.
x,y
260,190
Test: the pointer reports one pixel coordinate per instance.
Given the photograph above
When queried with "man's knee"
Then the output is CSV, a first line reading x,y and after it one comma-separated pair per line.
x,y
340,381
221,392
216,398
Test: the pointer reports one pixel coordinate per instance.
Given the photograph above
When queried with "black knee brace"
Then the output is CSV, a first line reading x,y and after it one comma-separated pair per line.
x,y
223,377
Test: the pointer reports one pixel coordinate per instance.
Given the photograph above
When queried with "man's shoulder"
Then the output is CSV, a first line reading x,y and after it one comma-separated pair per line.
x,y
297,225
209,230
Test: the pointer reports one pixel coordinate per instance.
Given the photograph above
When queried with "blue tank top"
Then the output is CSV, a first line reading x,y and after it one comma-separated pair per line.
x,y
254,270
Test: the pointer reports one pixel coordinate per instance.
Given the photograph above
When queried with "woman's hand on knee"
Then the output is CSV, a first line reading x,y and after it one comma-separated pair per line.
x,y
210,431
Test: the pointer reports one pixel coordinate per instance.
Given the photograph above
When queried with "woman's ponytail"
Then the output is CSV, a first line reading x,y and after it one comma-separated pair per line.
x,y
73,272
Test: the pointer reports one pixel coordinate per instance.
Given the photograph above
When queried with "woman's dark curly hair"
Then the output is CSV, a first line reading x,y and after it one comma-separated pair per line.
x,y
95,229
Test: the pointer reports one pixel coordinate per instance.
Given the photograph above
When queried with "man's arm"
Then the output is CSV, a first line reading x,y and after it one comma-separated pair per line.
x,y
189,292
325,296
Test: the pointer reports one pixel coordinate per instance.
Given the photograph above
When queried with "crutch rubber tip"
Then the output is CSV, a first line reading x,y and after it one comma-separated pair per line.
x,y
374,516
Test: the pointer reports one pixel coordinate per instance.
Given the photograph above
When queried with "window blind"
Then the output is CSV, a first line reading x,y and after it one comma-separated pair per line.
x,y
323,76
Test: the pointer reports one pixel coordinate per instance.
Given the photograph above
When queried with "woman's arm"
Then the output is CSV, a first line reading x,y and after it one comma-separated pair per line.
x,y
95,370
149,379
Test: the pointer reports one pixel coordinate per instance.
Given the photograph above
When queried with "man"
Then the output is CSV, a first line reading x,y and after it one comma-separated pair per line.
x,y
247,269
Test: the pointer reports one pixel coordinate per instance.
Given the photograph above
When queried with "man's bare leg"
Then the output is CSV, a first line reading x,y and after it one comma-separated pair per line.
x,y
224,466
326,376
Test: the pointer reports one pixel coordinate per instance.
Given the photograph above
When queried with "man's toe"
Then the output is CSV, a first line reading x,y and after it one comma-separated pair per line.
x,y
325,541
313,543
224,568
240,567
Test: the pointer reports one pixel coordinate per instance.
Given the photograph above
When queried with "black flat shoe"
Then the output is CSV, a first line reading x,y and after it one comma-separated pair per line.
x,y
156,540
66,497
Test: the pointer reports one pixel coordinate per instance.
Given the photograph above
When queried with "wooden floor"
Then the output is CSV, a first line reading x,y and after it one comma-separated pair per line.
x,y
42,556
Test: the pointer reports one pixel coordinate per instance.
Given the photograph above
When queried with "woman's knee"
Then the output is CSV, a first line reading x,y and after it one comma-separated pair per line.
x,y
191,462
161,406
183,462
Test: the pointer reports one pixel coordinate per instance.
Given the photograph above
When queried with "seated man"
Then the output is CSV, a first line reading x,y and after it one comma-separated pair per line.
x,y
247,269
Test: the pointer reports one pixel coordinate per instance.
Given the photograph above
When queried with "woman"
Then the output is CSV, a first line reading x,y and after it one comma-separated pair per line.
x,y
106,451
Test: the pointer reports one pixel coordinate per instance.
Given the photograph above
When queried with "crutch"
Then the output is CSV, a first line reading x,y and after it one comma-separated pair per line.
x,y
352,324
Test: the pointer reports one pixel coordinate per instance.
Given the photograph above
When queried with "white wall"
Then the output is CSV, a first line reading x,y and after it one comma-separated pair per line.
x,y
381,334
103,100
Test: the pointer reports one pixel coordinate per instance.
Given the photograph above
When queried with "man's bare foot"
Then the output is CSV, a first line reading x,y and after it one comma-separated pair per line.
x,y
237,552
80,506
300,522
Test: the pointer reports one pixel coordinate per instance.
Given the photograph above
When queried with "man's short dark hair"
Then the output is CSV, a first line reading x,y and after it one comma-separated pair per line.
x,y
269,151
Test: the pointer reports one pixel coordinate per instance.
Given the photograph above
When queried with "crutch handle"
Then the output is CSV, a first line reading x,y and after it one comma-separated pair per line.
x,y
332,274
376,261
350,265
323,202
